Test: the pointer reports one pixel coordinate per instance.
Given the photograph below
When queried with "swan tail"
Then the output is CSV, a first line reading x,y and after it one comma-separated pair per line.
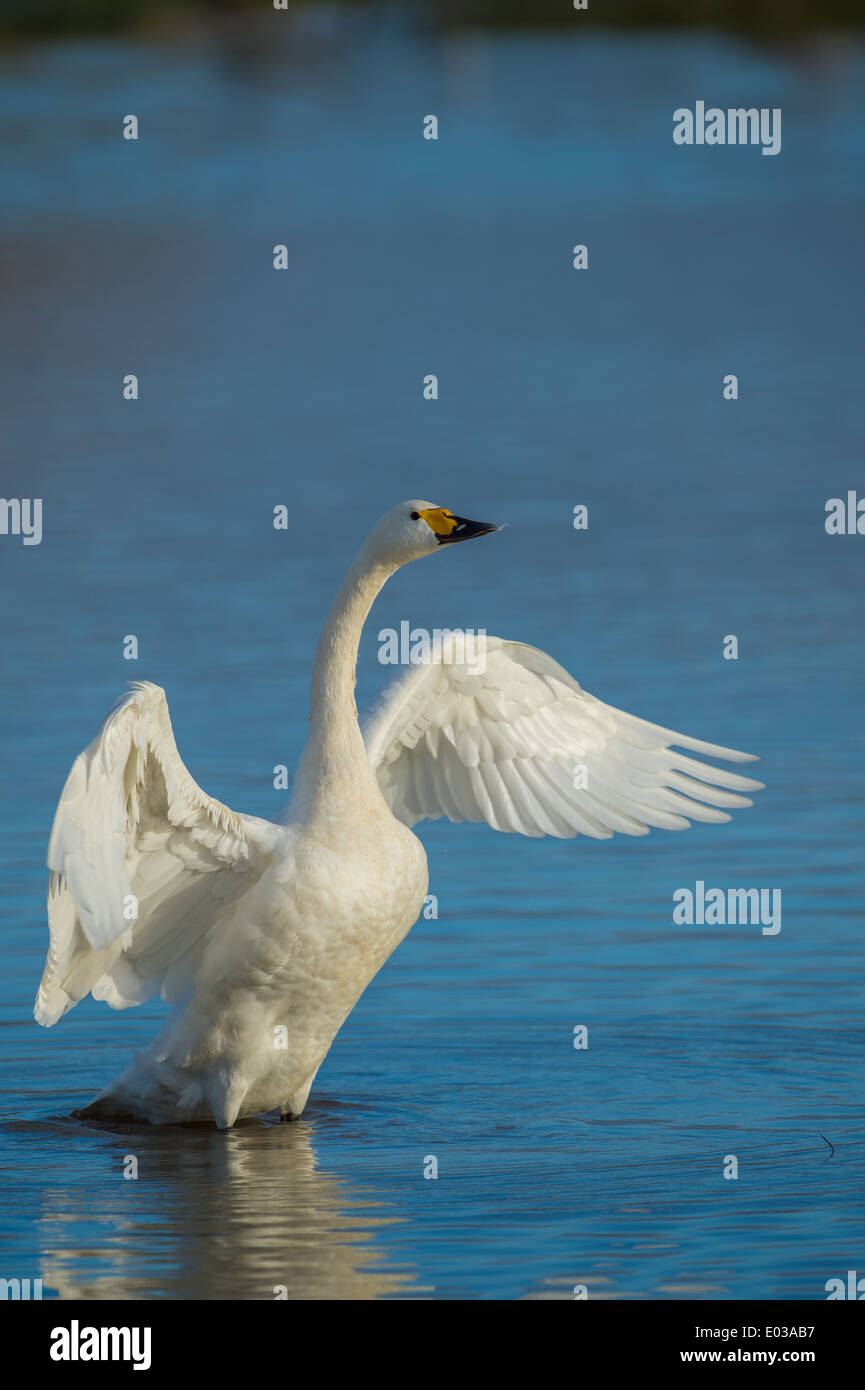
x,y
153,1091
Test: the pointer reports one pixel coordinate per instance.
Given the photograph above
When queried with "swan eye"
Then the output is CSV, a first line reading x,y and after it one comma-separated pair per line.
x,y
415,516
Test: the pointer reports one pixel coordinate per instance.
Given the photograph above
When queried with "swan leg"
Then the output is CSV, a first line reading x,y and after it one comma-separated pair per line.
x,y
292,1108
224,1096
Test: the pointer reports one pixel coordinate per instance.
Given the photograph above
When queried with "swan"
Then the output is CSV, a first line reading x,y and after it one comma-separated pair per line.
x,y
263,936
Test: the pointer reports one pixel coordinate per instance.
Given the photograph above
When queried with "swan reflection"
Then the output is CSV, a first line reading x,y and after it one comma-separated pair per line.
x,y
237,1215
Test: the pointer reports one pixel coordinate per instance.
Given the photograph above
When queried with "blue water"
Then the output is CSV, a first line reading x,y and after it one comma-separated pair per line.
x,y
556,1167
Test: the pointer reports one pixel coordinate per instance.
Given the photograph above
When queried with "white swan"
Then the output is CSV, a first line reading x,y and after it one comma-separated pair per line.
x,y
264,935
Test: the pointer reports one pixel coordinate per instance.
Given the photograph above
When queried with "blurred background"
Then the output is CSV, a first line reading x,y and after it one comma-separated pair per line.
x,y
754,16
557,387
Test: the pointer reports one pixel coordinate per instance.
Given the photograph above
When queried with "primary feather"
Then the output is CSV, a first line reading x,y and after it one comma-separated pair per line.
x,y
521,746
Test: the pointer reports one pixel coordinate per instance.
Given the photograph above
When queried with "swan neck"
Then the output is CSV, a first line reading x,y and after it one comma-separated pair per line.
x,y
335,750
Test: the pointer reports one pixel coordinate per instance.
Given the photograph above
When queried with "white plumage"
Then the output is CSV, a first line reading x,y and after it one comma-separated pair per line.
x,y
263,936
524,748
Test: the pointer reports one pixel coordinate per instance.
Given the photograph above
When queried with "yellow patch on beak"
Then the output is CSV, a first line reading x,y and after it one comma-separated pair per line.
x,y
440,521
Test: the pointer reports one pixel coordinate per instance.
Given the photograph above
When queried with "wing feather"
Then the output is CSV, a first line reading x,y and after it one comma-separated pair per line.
x,y
134,833
506,746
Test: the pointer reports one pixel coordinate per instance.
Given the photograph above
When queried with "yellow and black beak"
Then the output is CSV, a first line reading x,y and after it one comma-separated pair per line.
x,y
448,528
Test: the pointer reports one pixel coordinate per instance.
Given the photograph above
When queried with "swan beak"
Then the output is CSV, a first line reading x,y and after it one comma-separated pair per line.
x,y
465,530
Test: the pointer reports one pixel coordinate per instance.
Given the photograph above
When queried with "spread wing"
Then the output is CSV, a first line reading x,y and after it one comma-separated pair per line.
x,y
140,858
521,746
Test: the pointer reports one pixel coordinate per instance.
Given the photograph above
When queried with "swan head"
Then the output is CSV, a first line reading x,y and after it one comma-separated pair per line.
x,y
418,528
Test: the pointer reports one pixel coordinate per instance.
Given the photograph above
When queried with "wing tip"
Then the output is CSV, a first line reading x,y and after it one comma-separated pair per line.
x,y
715,750
45,1015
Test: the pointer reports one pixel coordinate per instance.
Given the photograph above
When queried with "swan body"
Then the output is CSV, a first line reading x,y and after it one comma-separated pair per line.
x,y
263,936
